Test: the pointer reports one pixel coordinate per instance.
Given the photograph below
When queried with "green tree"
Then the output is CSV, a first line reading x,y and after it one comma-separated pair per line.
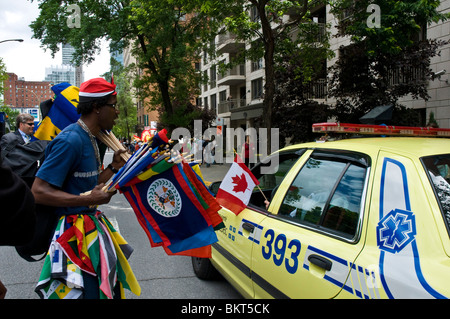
x,y
127,120
294,109
269,26
3,108
388,56
3,78
163,35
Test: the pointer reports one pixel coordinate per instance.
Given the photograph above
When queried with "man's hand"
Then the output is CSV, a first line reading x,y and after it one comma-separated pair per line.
x,y
118,161
100,196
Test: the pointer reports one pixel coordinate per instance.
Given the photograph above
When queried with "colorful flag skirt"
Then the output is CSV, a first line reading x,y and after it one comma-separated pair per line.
x,y
90,244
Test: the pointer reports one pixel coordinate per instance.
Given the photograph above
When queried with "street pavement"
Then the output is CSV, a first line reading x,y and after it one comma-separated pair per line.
x,y
159,275
215,172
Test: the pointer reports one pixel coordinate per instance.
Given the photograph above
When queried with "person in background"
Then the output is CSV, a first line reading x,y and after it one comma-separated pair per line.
x,y
19,153
25,129
248,151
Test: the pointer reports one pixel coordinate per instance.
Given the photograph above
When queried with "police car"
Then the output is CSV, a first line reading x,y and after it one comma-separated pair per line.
x,y
354,218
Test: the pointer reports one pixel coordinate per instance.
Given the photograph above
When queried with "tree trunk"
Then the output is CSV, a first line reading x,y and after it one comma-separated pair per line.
x,y
269,85
166,101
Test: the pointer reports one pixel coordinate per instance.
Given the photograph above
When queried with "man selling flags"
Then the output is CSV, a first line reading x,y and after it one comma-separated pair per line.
x,y
87,257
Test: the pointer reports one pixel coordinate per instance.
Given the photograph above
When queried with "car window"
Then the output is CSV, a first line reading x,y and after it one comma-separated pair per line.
x,y
438,169
327,194
268,183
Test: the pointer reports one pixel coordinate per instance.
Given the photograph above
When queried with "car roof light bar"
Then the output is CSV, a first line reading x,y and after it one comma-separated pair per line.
x,y
392,130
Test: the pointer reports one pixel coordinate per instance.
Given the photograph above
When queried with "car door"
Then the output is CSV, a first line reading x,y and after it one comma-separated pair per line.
x,y
232,254
309,242
403,244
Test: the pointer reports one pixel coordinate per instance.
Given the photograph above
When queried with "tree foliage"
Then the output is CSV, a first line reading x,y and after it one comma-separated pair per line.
x,y
293,110
127,119
3,78
163,34
269,26
385,62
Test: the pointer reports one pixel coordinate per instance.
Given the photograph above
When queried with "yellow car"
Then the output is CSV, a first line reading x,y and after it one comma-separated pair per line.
x,y
356,218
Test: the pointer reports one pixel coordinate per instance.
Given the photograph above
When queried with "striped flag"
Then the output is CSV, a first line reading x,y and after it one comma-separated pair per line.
x,y
62,112
89,244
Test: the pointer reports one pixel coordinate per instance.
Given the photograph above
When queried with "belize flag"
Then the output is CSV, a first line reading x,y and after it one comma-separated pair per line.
x,y
172,211
237,187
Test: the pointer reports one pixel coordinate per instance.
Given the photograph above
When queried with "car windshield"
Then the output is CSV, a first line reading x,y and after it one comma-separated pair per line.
x,y
438,169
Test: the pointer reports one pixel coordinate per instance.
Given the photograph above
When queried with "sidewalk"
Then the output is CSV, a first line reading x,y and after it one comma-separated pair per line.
x,y
215,172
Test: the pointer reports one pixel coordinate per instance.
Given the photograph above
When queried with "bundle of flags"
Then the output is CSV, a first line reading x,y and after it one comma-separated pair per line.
x,y
91,245
59,112
171,202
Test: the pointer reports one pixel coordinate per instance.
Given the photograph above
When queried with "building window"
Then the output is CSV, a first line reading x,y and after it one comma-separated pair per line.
x,y
205,76
213,101
213,76
257,89
254,14
257,65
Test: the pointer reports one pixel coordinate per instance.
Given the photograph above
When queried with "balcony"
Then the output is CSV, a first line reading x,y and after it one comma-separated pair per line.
x,y
316,89
234,76
227,43
230,105
309,32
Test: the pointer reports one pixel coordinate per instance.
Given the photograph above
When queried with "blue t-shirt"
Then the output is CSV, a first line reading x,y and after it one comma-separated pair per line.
x,y
70,165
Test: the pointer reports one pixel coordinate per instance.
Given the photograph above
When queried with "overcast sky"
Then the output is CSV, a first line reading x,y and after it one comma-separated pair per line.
x,y
27,59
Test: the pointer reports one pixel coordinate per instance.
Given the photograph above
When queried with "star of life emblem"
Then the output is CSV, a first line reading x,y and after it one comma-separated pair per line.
x,y
163,198
396,230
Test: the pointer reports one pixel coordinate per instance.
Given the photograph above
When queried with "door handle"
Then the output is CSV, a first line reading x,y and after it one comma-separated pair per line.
x,y
248,227
320,261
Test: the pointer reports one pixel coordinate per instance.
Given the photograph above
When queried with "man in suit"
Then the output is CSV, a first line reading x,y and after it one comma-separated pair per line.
x,y
25,125
18,153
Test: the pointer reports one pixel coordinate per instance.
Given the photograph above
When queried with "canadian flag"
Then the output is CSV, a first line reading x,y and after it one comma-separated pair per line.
x,y
237,187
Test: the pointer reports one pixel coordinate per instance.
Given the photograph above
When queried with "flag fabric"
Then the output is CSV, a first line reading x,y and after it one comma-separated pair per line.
x,y
62,112
159,138
175,209
206,199
90,244
237,186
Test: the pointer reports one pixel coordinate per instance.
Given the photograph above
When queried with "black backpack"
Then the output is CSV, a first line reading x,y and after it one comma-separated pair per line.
x,y
46,221
23,159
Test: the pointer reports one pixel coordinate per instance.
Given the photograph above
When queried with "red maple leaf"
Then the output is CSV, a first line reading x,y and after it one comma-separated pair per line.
x,y
240,182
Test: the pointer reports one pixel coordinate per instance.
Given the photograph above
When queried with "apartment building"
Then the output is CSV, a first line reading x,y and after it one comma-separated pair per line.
x,y
237,94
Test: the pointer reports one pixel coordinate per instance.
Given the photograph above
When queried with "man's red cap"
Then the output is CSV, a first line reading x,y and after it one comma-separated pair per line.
x,y
97,87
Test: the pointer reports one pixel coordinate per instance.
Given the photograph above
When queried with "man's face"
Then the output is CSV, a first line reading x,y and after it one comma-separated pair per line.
x,y
108,113
27,127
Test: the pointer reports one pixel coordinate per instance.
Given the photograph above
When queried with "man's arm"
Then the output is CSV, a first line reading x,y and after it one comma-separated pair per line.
x,y
46,194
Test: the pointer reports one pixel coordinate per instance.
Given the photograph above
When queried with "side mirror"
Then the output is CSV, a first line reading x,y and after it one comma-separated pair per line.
x,y
214,187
